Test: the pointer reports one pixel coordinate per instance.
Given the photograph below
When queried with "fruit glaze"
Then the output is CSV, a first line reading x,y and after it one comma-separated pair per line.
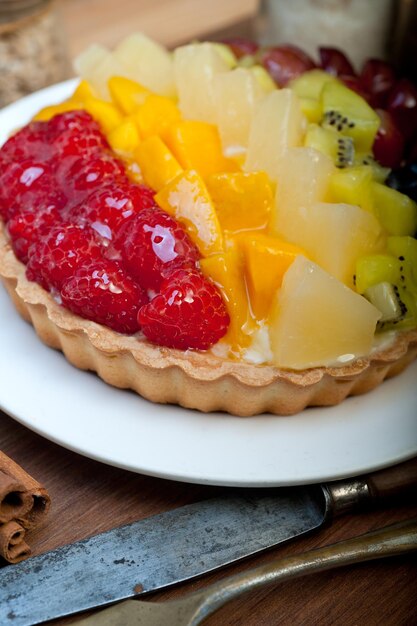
x,y
246,204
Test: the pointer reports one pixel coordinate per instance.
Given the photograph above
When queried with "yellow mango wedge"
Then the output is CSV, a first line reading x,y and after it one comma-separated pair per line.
x,y
226,270
186,198
124,138
196,145
157,163
83,91
105,113
266,260
156,115
243,200
127,94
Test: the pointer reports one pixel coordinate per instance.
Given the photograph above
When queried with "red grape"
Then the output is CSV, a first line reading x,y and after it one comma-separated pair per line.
x,y
389,142
377,78
335,62
241,47
285,63
402,103
355,84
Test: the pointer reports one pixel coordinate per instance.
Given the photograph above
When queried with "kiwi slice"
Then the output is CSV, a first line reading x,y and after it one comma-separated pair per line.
x,y
310,84
389,282
352,185
385,299
396,211
379,173
338,147
349,114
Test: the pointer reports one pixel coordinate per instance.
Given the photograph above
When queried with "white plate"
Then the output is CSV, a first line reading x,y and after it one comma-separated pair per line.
x,y
77,410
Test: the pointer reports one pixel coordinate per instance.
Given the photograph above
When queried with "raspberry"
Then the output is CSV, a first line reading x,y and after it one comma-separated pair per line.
x,y
27,227
75,122
57,255
102,292
189,312
76,133
80,176
29,142
105,210
27,186
151,245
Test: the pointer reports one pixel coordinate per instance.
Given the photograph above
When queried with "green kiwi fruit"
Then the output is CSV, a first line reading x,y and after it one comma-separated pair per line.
x,y
338,147
389,281
396,212
349,114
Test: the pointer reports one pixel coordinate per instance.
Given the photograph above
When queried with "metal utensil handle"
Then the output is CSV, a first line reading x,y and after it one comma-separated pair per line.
x,y
388,541
344,496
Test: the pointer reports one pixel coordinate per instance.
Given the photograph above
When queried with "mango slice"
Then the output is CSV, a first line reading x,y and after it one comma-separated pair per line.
x,y
124,137
186,198
243,200
196,145
157,163
156,115
105,113
127,94
226,270
266,260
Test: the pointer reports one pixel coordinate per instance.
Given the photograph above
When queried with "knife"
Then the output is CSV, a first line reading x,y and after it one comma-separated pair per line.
x,y
181,544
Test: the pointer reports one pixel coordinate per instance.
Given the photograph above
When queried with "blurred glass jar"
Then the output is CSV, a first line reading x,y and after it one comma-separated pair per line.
x,y
359,27
33,51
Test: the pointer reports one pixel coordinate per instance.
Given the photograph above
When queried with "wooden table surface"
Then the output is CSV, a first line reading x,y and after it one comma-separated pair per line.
x,y
89,497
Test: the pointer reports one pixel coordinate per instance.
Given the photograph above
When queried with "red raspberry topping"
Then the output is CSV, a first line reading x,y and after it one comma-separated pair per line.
x,y
28,186
75,122
189,312
81,176
105,210
76,133
27,227
30,141
151,245
55,257
64,197
104,293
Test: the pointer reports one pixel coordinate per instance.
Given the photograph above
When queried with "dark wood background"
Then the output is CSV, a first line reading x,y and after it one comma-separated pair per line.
x,y
89,497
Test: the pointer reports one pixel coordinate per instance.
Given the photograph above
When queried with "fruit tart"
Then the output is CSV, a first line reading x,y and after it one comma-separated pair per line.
x,y
222,226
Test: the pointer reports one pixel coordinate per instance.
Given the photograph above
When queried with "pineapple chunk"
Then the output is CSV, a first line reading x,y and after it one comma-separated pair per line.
x,y
147,62
97,65
317,320
236,95
277,125
195,66
303,179
334,236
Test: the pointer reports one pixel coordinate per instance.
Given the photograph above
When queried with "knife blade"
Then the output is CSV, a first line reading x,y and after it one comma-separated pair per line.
x,y
181,544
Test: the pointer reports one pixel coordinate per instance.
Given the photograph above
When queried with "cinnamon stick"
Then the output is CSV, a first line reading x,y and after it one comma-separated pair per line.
x,y
23,503
13,548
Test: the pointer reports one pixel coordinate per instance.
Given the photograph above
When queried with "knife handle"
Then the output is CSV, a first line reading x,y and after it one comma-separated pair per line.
x,y
346,496
394,481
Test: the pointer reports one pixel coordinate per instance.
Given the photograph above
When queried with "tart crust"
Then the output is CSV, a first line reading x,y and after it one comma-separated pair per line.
x,y
197,380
